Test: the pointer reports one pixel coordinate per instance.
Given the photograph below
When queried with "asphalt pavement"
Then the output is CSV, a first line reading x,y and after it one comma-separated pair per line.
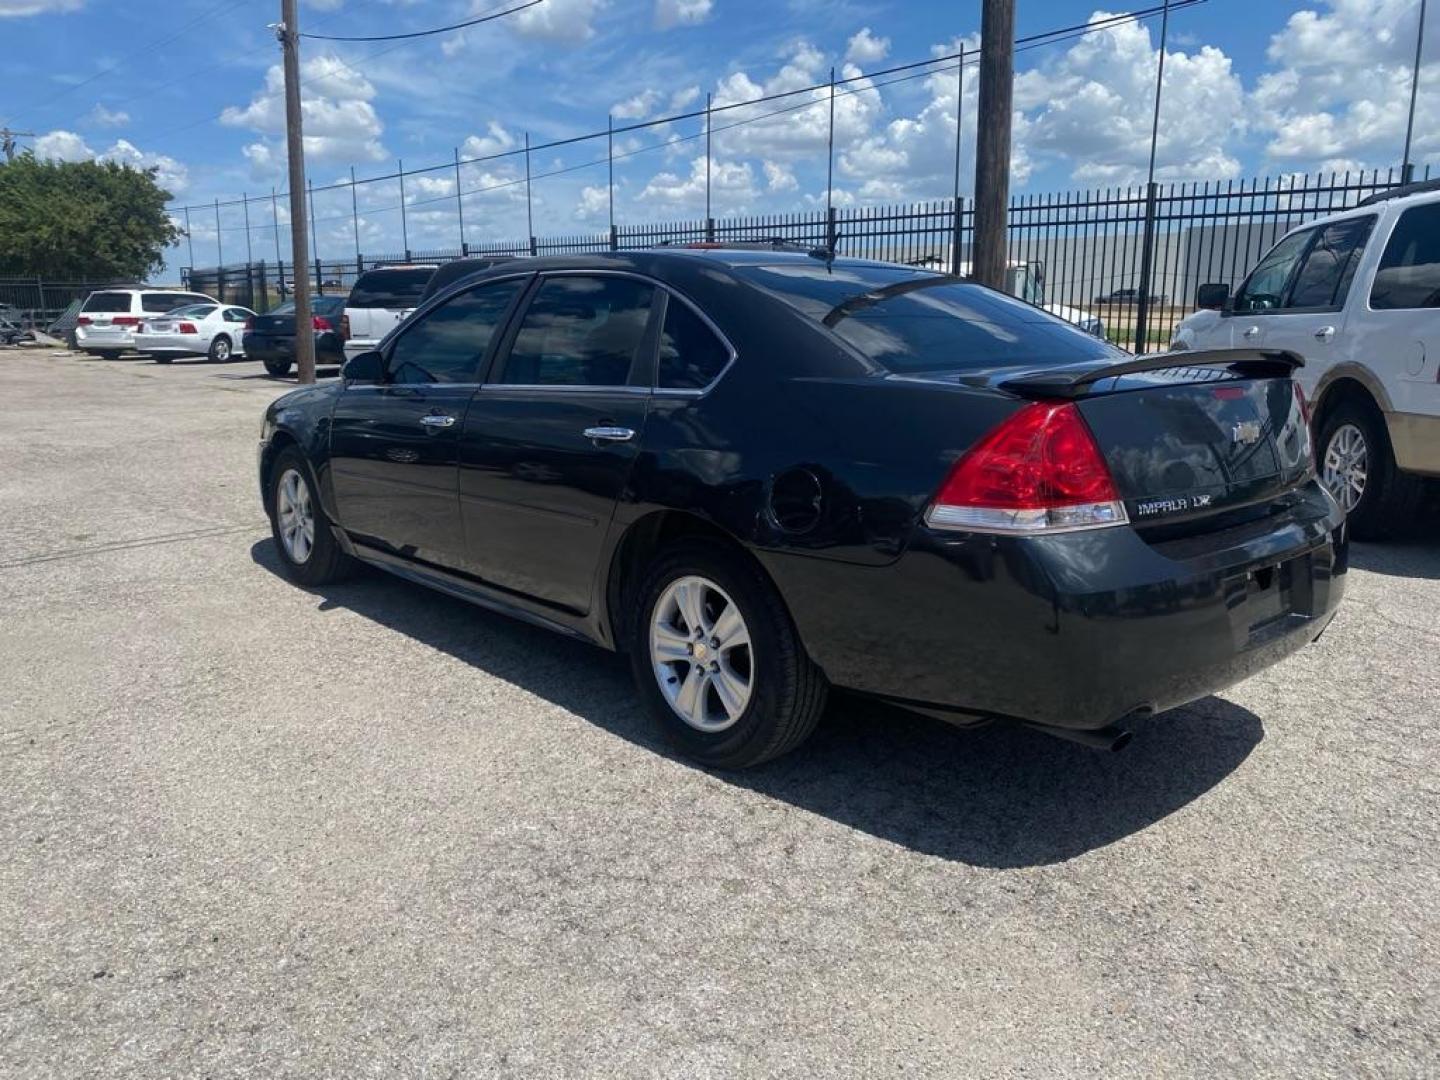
x,y
370,831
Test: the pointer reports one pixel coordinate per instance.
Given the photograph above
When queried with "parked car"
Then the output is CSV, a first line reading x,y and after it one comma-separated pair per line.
x,y
449,273
1357,294
1131,296
378,301
762,474
214,331
109,317
270,338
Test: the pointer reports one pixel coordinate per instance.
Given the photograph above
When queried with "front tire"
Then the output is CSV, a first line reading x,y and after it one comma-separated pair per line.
x,y
301,530
220,350
718,661
1358,467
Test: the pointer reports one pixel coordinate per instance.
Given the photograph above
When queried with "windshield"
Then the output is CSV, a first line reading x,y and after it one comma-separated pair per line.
x,y
396,289
915,320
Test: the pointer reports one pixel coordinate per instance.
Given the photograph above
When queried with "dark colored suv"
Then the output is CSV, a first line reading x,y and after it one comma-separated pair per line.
x,y
763,474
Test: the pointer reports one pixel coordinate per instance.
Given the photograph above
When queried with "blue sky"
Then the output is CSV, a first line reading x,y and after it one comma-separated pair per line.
x,y
1252,87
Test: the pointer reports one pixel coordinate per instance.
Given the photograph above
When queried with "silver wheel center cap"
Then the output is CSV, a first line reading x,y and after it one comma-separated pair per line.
x,y
699,651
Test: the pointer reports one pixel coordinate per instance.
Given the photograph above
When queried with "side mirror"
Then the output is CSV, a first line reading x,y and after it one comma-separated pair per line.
x,y
367,367
1212,297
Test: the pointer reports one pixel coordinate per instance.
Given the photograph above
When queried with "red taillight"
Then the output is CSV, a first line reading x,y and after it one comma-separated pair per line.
x,y
345,327
126,320
187,328
1038,471
321,323
83,320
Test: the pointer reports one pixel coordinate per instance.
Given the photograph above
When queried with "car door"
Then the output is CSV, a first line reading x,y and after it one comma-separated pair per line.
x,y
1263,292
1311,317
551,437
394,444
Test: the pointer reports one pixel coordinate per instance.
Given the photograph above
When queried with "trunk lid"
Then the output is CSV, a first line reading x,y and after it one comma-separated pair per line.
x,y
282,324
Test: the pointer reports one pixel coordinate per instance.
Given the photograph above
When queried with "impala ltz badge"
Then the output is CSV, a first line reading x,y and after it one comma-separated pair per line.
x,y
1175,504
1246,432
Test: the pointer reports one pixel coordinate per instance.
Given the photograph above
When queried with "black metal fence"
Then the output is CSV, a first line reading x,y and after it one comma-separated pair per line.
x,y
37,304
1080,254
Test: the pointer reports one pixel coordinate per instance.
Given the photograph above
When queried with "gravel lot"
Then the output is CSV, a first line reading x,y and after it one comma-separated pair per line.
x,y
254,831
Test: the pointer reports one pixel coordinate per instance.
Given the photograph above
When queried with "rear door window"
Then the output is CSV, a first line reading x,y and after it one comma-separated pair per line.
x,y
1329,266
108,302
1409,272
581,331
394,290
691,355
447,344
911,321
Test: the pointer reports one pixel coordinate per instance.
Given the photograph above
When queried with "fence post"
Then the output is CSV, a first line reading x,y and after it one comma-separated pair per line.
x,y
354,213
314,244
275,223
189,238
404,225
319,276
245,202
830,159
614,237
959,123
529,212
710,228
220,283
1142,304
264,304
219,250
831,238
459,202
40,295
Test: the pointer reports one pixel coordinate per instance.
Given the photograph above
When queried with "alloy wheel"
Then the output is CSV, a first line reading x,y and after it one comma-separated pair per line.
x,y
1347,466
222,350
701,653
295,516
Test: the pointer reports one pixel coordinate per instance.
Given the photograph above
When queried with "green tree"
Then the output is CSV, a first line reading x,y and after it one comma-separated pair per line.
x,y
81,220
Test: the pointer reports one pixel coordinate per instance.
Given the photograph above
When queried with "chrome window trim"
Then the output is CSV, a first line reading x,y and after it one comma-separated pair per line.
x,y
658,391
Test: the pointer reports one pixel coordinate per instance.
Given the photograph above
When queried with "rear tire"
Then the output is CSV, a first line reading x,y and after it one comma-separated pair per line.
x,y
1389,500
220,350
278,368
781,693
308,549
161,359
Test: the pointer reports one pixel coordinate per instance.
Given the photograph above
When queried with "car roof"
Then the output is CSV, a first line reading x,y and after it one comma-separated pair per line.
x,y
650,260
1394,201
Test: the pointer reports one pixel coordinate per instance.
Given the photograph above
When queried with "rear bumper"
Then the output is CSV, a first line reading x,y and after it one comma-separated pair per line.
x,y
355,346
170,345
107,339
1077,630
262,347
1415,438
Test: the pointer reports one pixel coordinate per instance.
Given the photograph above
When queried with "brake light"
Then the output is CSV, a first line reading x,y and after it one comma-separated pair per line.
x,y
83,320
345,327
1039,471
321,323
187,328
126,320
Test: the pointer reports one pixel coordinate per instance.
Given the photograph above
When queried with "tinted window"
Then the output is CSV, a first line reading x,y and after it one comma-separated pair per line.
x,y
1264,290
329,306
193,311
448,343
691,356
1325,276
163,302
107,301
1409,273
389,289
908,320
580,331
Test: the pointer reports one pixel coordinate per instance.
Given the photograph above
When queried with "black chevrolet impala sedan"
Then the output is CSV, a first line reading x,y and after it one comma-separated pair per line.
x,y
762,474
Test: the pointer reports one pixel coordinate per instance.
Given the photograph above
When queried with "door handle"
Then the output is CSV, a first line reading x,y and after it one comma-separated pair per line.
x,y
1251,331
438,420
1325,333
609,434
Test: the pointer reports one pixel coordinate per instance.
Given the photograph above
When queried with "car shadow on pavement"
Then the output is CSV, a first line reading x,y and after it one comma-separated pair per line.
x,y
1412,559
998,796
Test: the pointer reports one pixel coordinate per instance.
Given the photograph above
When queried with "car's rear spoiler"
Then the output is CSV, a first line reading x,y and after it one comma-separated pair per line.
x,y
1073,383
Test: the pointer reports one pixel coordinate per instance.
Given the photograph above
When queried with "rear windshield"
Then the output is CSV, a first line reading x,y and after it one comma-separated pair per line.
x,y
107,301
914,320
389,288
163,302
194,311
326,305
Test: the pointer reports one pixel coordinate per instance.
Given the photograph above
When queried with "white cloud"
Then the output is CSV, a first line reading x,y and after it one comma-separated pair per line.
x,y
637,107
568,22
63,145
1090,109
594,204
1341,87
684,98
732,187
779,178
16,8
866,48
104,117
341,124
670,13
496,140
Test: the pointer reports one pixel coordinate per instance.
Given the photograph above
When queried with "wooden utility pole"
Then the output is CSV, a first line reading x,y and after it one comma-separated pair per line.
x,y
992,145
289,34
7,141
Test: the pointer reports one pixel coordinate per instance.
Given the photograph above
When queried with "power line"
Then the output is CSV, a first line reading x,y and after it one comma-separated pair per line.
x,y
909,71
427,33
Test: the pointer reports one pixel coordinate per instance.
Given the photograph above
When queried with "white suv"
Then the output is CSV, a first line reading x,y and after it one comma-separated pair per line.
x,y
379,301
109,318
1357,294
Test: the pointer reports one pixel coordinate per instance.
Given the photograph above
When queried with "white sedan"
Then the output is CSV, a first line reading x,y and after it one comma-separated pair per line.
x,y
214,331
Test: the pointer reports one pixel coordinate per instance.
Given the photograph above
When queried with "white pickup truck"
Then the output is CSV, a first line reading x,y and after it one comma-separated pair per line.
x,y
1357,294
